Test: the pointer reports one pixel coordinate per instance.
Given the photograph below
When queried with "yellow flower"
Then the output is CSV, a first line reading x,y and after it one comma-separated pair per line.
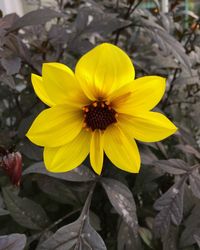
x,y
99,108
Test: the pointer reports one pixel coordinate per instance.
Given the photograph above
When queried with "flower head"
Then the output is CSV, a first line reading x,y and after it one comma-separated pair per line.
x,y
98,109
11,163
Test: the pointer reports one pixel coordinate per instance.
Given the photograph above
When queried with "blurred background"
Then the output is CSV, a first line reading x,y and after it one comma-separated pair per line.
x,y
23,6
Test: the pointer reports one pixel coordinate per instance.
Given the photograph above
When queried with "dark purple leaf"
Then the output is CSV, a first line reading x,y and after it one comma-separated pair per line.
x,y
2,207
35,17
171,239
197,239
17,47
30,150
8,20
173,166
147,156
167,43
11,64
194,179
146,180
189,149
126,238
95,20
192,226
24,211
170,205
77,235
8,80
12,242
57,190
79,174
122,200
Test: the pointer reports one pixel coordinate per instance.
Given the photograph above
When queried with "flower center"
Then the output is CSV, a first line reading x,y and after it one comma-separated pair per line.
x,y
99,115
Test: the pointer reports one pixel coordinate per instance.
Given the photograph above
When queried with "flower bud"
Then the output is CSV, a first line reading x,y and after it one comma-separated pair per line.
x,y
11,163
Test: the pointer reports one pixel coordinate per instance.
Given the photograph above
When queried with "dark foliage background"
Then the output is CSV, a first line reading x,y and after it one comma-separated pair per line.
x,y
155,209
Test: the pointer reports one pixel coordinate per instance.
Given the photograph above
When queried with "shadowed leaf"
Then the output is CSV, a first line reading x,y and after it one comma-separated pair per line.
x,y
194,179
192,226
57,189
79,174
173,166
189,149
197,239
24,211
2,210
126,238
170,205
122,200
170,241
77,235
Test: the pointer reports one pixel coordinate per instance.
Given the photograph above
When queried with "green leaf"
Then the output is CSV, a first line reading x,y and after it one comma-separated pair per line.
x,y
24,211
146,235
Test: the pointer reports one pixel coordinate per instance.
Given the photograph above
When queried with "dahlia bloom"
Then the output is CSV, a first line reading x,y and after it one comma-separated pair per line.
x,y
98,109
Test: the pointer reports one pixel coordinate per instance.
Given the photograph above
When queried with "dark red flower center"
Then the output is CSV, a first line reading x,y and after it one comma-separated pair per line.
x,y
99,115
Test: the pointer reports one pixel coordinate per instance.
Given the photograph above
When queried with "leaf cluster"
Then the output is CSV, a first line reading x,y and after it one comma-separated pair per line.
x,y
155,209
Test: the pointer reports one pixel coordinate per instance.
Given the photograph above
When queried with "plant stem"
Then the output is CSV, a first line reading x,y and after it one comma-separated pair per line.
x,y
60,220
165,103
128,13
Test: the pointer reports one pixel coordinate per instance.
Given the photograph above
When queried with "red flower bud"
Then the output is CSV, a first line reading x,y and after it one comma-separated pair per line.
x,y
12,165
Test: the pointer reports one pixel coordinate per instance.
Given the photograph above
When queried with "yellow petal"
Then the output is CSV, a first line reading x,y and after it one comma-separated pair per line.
x,y
40,90
69,156
121,150
147,126
104,69
61,85
56,126
141,94
96,151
